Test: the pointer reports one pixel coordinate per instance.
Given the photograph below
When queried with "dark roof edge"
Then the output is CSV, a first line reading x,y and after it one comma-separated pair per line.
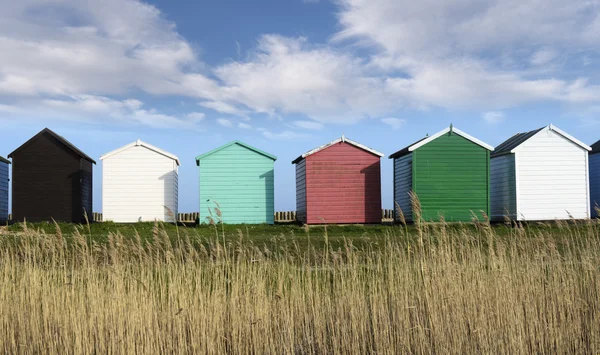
x,y
499,154
297,160
400,153
2,160
405,151
60,139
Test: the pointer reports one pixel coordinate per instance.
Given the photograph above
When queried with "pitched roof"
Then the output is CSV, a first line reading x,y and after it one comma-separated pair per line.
x,y
421,142
60,139
508,146
200,157
139,143
2,160
342,139
406,149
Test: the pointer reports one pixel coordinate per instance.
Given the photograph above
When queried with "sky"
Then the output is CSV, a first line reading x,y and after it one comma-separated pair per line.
x,y
287,76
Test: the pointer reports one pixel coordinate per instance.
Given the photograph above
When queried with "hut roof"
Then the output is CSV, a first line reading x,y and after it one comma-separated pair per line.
x,y
60,139
200,157
509,145
336,141
139,143
421,142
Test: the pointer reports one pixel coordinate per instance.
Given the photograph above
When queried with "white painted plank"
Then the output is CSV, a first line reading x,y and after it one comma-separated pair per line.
x,y
139,184
552,178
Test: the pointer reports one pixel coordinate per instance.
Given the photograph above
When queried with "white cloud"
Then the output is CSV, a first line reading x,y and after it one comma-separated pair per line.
x,y
243,125
120,45
289,75
94,57
493,117
223,107
282,136
472,54
100,109
196,116
308,124
395,123
467,27
225,122
10,109
543,56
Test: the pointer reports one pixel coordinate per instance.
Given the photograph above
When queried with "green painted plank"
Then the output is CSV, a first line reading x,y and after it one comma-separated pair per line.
x,y
451,177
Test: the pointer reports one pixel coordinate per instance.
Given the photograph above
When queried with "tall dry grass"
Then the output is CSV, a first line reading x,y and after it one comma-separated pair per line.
x,y
451,291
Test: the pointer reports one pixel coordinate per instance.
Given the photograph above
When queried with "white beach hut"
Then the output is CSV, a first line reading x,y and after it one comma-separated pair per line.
x,y
139,183
540,175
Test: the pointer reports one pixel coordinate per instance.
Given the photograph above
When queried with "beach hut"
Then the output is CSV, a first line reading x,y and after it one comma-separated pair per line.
x,y
51,179
4,190
139,184
449,174
339,182
540,175
594,164
237,185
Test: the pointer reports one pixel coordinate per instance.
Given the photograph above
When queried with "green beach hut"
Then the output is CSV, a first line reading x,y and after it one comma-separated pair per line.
x,y
239,180
450,174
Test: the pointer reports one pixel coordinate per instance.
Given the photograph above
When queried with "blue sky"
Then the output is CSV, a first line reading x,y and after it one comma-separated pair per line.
x,y
288,76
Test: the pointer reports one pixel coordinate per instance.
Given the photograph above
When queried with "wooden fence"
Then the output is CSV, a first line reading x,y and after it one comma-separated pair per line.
x,y
280,217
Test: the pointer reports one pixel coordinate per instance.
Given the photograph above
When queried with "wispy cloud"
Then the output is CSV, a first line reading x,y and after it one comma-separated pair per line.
x,y
282,136
395,123
493,117
308,124
224,107
225,122
243,125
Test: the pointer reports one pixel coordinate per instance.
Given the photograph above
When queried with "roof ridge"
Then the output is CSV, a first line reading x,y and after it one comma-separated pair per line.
x,y
427,139
245,145
342,139
140,143
58,137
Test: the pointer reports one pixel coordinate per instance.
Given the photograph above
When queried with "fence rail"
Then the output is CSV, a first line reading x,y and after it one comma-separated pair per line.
x,y
280,217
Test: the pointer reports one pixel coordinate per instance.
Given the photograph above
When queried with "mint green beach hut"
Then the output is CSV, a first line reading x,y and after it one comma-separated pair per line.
x,y
239,180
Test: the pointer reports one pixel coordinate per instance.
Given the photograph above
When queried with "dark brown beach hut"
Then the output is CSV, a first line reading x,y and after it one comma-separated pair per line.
x,y
51,179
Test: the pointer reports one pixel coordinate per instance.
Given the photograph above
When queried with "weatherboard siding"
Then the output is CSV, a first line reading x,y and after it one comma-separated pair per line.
x,y
502,183
139,184
47,182
403,186
552,178
343,185
3,192
301,191
451,179
240,182
594,163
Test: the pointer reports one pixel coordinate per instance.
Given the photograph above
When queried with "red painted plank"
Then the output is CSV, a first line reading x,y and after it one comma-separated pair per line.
x,y
343,185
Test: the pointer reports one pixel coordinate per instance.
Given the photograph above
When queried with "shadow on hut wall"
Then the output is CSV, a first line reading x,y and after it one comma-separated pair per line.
x,y
372,193
269,183
81,196
169,195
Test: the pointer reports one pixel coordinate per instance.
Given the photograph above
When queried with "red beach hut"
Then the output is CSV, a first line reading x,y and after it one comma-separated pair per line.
x,y
339,182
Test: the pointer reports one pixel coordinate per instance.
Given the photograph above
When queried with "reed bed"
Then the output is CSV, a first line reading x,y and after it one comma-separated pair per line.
x,y
443,290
